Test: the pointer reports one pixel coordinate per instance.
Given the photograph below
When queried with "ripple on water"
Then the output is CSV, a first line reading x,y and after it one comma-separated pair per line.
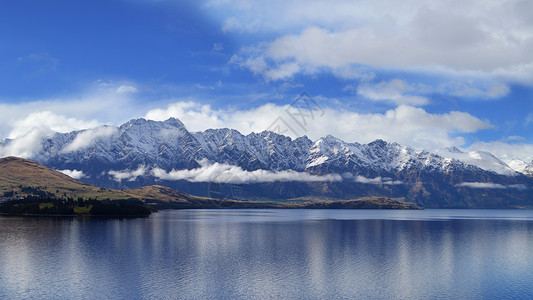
x,y
319,254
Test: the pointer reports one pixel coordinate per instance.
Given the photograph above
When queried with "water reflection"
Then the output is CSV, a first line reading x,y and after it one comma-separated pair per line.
x,y
269,254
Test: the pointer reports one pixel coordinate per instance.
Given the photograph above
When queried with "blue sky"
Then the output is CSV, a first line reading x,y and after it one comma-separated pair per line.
x,y
427,75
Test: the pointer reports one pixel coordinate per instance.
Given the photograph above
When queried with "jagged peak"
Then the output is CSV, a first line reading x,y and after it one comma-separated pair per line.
x,y
378,143
328,139
224,132
174,121
454,149
223,129
304,139
266,133
140,122
136,121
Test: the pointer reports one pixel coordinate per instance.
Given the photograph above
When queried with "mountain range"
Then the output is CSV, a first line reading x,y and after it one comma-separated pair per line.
x,y
224,163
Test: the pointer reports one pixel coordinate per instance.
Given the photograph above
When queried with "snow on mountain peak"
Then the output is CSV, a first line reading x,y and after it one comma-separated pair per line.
x,y
481,159
170,145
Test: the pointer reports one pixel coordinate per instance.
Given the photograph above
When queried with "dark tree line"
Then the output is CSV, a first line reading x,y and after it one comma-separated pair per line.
x,y
36,205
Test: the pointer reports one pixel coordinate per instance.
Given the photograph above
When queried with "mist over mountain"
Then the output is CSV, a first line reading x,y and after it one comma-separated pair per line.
x,y
227,164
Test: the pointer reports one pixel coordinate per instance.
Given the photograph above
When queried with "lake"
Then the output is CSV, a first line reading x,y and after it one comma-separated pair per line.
x,y
258,254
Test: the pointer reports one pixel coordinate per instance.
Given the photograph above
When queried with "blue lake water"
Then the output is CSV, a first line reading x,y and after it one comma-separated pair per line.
x,y
258,254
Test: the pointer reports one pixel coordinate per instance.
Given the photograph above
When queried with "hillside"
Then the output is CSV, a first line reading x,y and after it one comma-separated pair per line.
x,y
20,177
164,197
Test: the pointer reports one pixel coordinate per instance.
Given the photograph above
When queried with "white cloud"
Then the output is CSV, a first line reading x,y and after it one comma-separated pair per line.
x,y
257,65
233,174
396,90
377,180
26,146
100,103
282,71
28,133
41,62
231,24
88,137
213,86
405,124
469,89
219,172
50,120
127,174
29,122
193,115
126,89
514,138
468,37
490,185
73,173
529,119
400,92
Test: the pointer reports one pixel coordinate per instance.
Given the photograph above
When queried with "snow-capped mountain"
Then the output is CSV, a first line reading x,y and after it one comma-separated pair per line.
x,y
481,159
142,152
169,145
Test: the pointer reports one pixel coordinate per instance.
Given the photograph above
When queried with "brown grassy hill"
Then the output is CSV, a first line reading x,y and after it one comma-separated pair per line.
x,y
162,193
23,177
165,197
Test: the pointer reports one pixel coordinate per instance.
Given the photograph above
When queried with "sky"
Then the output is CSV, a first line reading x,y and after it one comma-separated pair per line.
x,y
426,74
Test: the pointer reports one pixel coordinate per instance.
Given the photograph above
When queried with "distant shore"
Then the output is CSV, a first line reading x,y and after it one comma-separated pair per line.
x,y
51,207
363,203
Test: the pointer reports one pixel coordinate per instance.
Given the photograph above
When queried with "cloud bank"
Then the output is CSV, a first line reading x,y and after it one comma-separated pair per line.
x,y
396,90
233,174
73,173
218,172
102,102
464,37
400,92
47,119
128,174
405,124
490,185
88,137
26,146
377,180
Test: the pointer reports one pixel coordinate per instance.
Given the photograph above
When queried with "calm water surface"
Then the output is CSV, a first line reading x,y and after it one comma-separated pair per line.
x,y
243,254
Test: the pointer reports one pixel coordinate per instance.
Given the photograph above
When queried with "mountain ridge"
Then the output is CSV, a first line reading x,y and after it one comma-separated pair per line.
x,y
275,166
